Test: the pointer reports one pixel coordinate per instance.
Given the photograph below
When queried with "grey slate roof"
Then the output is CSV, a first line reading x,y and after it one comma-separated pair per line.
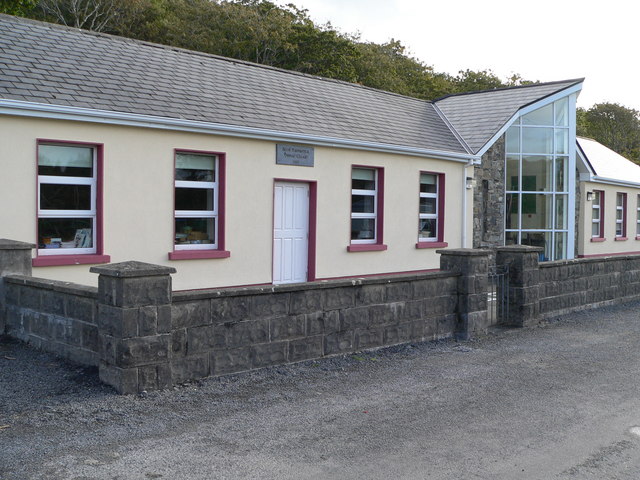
x,y
478,116
50,64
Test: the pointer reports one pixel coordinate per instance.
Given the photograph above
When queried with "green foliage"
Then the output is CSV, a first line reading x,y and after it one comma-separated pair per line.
x,y
613,125
21,8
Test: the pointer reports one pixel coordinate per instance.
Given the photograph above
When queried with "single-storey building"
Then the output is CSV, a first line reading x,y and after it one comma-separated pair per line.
x,y
610,201
235,173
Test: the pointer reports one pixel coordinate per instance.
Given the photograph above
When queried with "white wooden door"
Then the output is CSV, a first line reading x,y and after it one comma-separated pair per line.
x,y
290,232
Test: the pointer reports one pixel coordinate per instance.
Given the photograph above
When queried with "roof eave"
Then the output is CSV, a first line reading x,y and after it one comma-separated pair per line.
x,y
81,114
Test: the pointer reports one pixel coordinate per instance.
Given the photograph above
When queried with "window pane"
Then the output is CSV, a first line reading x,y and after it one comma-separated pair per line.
x,y
363,229
194,199
428,205
562,112
363,179
562,184
595,214
595,229
427,229
428,183
68,161
362,203
513,172
65,233
511,238
596,198
619,199
536,211
560,246
541,116
194,231
538,239
562,141
513,140
195,168
65,197
537,140
513,219
536,173
561,211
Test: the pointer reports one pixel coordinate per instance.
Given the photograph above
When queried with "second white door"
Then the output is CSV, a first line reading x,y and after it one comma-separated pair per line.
x,y
290,232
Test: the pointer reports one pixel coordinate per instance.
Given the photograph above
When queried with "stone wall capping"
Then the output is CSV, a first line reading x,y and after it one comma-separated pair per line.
x,y
132,269
465,252
520,249
6,244
53,285
189,295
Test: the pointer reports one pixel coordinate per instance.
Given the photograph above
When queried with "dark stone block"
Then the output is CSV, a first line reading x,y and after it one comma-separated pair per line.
x,y
134,291
108,349
12,294
370,295
386,314
90,337
118,322
270,305
230,309
244,333
53,302
190,368
30,298
191,314
305,348
319,322
369,338
398,334
82,308
354,318
147,321
148,378
231,360
399,291
202,339
268,354
164,318
125,381
338,298
425,288
446,326
411,311
428,329
306,301
139,351
179,343
340,342
284,328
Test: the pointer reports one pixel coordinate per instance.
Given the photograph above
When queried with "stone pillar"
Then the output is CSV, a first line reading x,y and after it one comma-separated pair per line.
x,y
134,325
473,266
15,259
524,278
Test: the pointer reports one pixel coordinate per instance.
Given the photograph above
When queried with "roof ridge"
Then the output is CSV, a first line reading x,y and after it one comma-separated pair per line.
x,y
203,54
571,81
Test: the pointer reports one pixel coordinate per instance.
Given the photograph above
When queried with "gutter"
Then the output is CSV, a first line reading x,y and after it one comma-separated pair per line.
x,y
613,181
80,114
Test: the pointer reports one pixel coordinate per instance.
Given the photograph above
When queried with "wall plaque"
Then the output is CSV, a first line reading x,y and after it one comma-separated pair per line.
x,y
294,155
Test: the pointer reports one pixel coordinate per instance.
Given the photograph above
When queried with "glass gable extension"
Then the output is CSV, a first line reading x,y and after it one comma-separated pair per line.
x,y
539,162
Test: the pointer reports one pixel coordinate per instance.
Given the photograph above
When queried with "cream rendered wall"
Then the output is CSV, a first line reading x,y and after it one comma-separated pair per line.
x,y
610,245
138,202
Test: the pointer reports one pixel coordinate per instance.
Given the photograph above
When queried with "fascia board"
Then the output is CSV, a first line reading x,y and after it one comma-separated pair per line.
x,y
62,112
529,108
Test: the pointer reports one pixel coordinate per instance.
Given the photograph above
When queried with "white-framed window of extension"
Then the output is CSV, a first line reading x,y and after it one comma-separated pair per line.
x,y
367,187
621,216
67,199
597,215
431,211
638,218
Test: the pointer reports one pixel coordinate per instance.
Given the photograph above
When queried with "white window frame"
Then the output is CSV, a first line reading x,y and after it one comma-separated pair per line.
x,y
430,216
91,213
597,194
213,213
372,193
620,208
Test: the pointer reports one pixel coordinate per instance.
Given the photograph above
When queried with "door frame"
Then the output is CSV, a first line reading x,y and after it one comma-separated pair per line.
x,y
313,206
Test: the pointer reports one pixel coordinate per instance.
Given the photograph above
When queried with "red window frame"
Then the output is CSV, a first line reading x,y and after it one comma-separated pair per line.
x,y
379,242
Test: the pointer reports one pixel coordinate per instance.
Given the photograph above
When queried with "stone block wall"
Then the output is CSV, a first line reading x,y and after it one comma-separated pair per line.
x,y
54,316
571,285
224,331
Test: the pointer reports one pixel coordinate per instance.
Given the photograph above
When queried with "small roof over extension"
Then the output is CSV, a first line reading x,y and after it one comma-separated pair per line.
x,y
601,164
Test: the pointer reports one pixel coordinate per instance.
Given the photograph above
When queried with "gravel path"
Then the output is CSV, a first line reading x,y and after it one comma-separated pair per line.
x,y
556,401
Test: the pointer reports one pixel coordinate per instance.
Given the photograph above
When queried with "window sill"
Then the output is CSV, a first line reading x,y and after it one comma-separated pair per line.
x,y
59,260
366,247
621,239
198,254
432,244
637,237
598,239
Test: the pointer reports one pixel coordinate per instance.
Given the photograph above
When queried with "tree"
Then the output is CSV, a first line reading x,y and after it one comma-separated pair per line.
x,y
21,8
470,81
88,14
613,125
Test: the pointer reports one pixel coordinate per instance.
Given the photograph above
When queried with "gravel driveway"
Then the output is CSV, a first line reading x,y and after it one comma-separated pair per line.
x,y
556,401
